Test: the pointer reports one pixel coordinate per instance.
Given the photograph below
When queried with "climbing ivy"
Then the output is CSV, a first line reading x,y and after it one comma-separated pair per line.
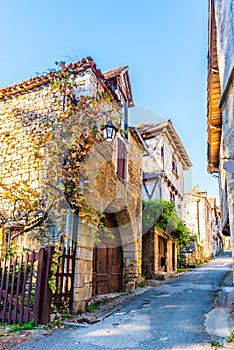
x,y
162,214
67,138
83,118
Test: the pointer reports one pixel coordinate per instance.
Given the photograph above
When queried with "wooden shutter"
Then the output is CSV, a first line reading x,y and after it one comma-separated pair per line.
x,y
121,160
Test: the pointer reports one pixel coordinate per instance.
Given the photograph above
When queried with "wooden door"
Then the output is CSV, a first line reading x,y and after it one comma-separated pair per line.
x,y
162,249
107,260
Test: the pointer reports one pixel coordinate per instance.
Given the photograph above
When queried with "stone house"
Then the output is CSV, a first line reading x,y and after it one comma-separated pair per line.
x,y
217,239
28,111
163,178
198,216
226,243
220,106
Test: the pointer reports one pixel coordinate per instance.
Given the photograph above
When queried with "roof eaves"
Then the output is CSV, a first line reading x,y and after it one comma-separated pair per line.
x,y
151,130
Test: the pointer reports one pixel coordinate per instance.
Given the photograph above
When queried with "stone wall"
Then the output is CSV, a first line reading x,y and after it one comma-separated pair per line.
x,y
197,216
150,253
224,16
122,198
26,118
170,265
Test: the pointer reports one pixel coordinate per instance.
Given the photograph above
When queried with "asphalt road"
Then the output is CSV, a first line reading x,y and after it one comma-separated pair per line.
x,y
169,316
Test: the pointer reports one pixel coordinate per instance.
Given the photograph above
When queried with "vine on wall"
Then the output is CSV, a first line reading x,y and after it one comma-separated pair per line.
x,y
162,214
67,139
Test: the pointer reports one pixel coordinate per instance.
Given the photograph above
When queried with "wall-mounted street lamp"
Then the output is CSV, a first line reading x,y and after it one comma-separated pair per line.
x,y
109,131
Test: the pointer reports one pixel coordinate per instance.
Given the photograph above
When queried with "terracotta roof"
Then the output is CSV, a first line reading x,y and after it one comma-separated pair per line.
x,y
198,192
149,130
72,68
124,85
113,73
214,114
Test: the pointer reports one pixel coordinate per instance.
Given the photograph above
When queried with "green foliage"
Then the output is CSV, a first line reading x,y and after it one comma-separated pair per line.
x,y
12,251
58,252
83,117
162,214
125,293
141,285
230,339
22,326
182,269
214,343
92,307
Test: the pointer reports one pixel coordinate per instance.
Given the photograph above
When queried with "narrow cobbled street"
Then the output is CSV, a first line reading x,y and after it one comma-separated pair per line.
x,y
175,315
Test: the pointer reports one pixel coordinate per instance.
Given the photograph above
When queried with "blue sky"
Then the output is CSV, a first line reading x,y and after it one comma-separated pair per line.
x,y
164,43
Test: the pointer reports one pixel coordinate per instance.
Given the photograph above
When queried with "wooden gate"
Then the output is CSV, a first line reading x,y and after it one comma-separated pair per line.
x,y
24,290
162,250
65,276
107,260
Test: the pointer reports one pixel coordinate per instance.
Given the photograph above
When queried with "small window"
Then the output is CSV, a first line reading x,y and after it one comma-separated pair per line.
x,y
160,191
172,197
114,84
174,167
162,157
121,160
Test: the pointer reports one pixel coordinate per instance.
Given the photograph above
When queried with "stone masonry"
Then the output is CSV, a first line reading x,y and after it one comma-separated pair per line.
x,y
28,111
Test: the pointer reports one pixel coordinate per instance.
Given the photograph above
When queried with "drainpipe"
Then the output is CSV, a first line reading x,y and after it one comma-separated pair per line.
x,y
198,220
126,118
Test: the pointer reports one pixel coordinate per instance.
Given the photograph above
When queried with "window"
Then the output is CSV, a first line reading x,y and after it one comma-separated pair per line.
x,y
162,158
121,160
160,191
172,197
174,166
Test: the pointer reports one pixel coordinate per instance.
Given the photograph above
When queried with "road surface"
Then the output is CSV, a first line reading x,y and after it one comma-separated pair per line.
x,y
174,315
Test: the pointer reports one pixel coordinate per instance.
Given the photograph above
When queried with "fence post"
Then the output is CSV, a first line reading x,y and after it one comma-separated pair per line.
x,y
36,307
45,295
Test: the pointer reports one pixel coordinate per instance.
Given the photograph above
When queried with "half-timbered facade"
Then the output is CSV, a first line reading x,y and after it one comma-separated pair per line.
x,y
164,164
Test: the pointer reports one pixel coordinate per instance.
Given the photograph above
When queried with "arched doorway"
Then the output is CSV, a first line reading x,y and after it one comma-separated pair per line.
x,y
108,260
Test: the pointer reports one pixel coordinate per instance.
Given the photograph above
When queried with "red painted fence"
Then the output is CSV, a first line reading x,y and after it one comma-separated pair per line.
x,y
24,291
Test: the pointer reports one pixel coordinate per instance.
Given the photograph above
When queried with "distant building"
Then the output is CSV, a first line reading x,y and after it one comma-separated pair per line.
x,y
217,240
198,216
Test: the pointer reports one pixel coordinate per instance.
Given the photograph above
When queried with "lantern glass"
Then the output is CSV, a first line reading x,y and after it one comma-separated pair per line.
x,y
109,131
